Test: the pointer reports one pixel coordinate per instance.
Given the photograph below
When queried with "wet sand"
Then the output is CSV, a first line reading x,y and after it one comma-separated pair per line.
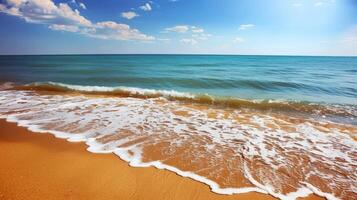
x,y
39,166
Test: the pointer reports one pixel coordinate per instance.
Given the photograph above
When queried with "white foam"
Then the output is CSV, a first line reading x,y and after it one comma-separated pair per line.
x,y
132,90
320,193
135,161
96,118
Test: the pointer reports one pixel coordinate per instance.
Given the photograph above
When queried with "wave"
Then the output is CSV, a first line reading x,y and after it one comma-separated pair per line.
x,y
344,112
231,151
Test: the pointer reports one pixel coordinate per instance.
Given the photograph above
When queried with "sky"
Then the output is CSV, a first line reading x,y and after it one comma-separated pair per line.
x,y
255,27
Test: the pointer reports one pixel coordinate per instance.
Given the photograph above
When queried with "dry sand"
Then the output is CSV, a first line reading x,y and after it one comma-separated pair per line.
x,y
39,166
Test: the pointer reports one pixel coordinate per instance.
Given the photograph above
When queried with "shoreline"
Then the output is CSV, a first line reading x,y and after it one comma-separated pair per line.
x,y
37,165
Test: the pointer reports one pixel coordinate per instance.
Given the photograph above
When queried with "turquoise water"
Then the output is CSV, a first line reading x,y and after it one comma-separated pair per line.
x,y
296,78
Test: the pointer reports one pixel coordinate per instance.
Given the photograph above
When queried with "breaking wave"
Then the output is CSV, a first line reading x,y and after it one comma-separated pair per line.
x,y
346,113
285,149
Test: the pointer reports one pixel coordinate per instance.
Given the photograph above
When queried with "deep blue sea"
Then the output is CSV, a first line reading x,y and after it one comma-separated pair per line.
x,y
294,78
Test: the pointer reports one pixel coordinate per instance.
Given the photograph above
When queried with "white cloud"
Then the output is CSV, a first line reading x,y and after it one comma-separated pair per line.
x,y
178,29
44,11
61,27
83,6
239,40
164,39
185,29
188,41
195,29
246,26
61,17
129,15
201,36
197,33
146,7
113,30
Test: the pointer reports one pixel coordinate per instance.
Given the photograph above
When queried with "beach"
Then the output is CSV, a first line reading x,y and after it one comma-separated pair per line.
x,y
35,166
38,166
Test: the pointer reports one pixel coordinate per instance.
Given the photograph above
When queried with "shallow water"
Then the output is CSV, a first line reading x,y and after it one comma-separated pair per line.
x,y
233,150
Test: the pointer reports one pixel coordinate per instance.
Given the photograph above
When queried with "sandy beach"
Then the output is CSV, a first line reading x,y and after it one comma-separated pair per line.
x,y
38,166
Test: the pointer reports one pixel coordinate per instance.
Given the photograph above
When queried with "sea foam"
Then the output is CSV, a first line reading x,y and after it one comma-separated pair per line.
x,y
231,150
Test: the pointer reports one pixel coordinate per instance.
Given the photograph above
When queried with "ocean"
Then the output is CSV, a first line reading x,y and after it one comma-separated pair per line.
x,y
282,125
296,78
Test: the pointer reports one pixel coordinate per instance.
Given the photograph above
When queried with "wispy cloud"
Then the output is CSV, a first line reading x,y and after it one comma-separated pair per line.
x,y
129,15
201,36
83,6
195,29
238,40
187,29
77,4
113,30
197,33
61,17
62,27
188,41
178,29
146,7
164,39
246,26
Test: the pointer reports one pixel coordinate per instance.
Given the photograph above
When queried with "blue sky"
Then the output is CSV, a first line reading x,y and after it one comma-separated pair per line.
x,y
283,27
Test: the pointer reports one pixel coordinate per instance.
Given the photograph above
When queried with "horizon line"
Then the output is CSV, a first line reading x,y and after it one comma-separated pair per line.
x,y
178,54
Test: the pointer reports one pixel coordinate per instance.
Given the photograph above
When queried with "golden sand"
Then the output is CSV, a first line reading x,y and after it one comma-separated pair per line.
x,y
39,166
